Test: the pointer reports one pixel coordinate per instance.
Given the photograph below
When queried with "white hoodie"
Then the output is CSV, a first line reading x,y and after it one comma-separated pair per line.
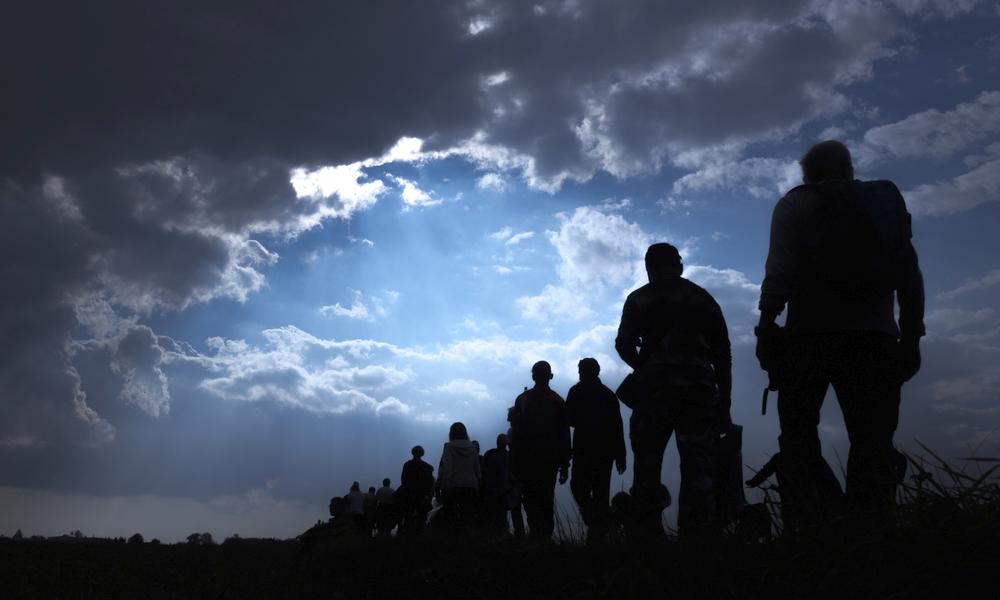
x,y
459,465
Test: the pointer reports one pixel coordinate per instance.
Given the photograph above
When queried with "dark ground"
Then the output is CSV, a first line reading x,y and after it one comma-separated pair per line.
x,y
937,552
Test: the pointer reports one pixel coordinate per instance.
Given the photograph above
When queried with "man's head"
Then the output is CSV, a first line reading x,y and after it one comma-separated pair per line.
x,y
501,441
541,372
825,161
417,451
355,487
371,490
589,368
663,260
385,482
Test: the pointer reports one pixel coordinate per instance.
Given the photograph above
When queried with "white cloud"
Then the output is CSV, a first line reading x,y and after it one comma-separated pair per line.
x,y
346,183
360,310
766,178
413,196
392,406
554,303
961,193
466,388
598,249
501,234
492,181
517,238
357,310
508,236
972,285
949,319
937,134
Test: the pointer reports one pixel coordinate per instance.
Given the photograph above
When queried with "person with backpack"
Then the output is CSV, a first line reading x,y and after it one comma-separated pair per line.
x,y
674,336
598,443
840,257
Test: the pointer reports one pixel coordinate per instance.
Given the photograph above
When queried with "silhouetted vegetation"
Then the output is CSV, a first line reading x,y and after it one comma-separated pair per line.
x,y
943,541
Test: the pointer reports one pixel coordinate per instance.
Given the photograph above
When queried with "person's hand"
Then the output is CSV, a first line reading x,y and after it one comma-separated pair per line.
x,y
563,475
725,420
769,339
620,465
909,358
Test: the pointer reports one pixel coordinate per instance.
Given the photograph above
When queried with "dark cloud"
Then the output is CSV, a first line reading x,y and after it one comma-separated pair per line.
x,y
147,145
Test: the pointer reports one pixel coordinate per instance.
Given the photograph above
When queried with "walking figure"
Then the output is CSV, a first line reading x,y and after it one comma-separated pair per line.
x,y
840,257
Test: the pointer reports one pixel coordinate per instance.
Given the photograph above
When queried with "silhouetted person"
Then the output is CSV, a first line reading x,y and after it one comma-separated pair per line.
x,y
540,449
673,334
500,495
385,515
598,441
459,475
355,500
416,487
370,508
840,256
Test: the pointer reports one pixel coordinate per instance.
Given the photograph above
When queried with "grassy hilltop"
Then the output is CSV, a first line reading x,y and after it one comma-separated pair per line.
x,y
943,542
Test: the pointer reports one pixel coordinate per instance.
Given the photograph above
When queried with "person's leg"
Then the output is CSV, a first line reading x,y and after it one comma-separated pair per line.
x,y
531,499
696,420
580,484
517,520
649,433
602,488
547,498
868,390
805,474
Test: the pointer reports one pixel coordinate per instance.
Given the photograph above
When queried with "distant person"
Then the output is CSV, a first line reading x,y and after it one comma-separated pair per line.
x,y
673,335
840,257
385,515
355,500
500,495
459,475
416,487
540,449
370,509
598,442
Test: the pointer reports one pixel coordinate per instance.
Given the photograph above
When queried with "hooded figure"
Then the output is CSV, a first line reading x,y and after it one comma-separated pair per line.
x,y
459,473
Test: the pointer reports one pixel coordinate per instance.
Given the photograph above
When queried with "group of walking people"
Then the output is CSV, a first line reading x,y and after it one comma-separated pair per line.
x,y
840,260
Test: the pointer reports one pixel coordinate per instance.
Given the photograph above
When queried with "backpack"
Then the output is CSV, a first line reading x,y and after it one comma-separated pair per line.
x,y
856,252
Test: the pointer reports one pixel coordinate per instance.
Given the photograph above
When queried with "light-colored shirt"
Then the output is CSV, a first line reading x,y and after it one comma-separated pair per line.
x,y
384,495
355,502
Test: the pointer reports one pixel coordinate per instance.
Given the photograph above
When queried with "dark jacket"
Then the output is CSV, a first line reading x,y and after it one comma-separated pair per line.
x,y
417,480
840,255
593,413
496,471
539,431
675,327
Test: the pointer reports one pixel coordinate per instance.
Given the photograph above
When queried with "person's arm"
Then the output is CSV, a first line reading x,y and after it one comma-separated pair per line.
x,y
910,296
782,266
564,442
444,468
911,300
722,358
627,341
619,432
